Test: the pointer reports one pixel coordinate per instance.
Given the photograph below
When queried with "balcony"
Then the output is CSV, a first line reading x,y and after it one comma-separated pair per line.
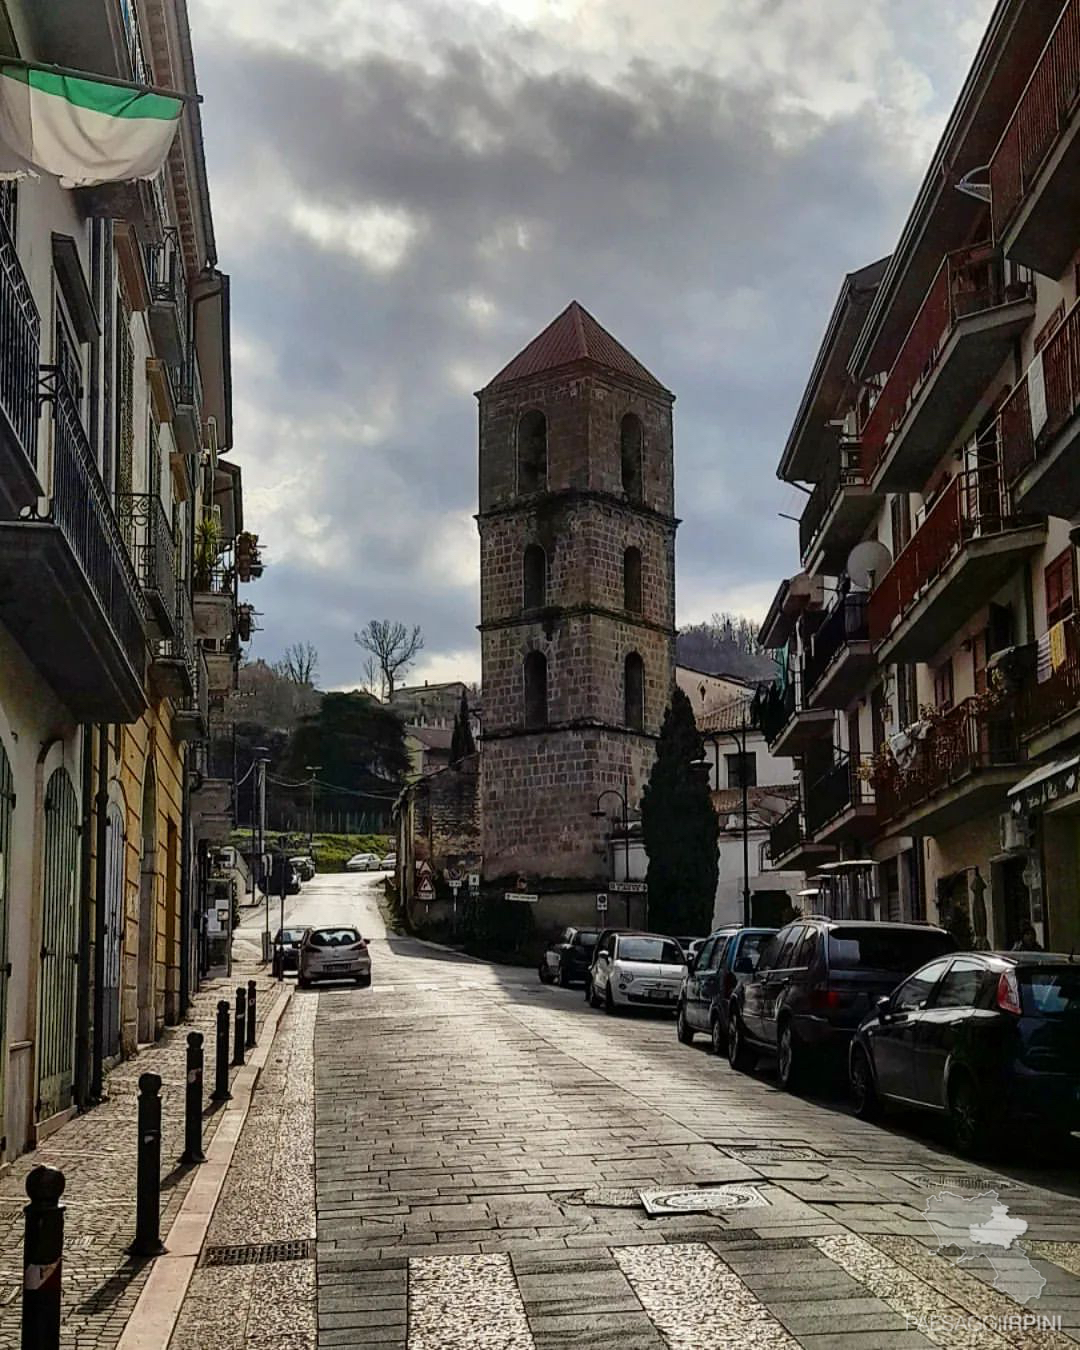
x,y
1035,169
790,728
841,805
191,715
173,670
187,406
841,656
966,548
212,810
222,666
790,848
1048,710
837,512
962,767
20,337
1040,439
168,298
145,527
959,339
71,597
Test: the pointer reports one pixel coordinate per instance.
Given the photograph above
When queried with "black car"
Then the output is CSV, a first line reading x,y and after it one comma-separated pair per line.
x,y
986,1038
815,982
287,949
566,960
726,959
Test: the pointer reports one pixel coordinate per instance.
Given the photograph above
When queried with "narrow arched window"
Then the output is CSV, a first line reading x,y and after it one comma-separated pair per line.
x,y
532,452
634,691
631,576
534,577
536,695
631,441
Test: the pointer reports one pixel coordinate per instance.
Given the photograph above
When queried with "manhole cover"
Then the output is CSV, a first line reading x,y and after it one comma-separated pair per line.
x,y
702,1199
774,1155
258,1254
612,1197
961,1181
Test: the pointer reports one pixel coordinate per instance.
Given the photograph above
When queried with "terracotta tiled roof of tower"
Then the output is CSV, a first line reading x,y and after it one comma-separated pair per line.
x,y
573,336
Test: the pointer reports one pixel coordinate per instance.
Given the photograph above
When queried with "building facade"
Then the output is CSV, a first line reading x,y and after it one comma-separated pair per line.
x,y
577,551
117,515
931,668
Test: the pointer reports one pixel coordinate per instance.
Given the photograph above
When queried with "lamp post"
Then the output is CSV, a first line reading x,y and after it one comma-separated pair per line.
x,y
312,769
598,814
262,758
738,735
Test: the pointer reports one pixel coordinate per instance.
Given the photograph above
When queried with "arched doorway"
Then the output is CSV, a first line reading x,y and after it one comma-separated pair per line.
x,y
147,910
115,845
59,947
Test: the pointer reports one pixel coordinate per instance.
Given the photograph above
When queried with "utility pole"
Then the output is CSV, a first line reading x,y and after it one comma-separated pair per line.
x,y
261,760
312,769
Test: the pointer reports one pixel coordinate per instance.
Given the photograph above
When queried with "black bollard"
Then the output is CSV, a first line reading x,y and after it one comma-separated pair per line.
x,y
251,1015
43,1257
193,1150
221,1064
239,1034
148,1170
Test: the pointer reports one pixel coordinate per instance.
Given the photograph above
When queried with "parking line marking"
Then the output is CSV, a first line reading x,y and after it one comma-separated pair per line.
x,y
466,1301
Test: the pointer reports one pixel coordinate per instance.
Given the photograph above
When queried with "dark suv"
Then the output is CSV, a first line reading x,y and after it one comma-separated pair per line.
x,y
815,982
726,959
566,960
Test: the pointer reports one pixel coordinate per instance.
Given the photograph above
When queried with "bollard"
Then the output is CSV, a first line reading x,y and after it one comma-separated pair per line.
x,y
239,1035
221,1064
251,1015
193,1150
43,1254
148,1170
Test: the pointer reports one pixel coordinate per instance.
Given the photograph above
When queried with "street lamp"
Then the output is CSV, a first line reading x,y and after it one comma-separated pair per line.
x,y
598,814
312,769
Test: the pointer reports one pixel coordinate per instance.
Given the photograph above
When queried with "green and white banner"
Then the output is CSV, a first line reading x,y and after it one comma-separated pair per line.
x,y
80,130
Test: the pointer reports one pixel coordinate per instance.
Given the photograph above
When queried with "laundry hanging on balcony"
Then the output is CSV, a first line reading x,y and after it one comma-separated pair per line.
x,y
83,130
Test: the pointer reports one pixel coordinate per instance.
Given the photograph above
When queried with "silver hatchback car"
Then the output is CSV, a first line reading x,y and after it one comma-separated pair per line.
x,y
333,954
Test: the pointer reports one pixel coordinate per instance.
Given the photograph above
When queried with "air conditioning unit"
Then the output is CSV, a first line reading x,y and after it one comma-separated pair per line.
x,y
1014,832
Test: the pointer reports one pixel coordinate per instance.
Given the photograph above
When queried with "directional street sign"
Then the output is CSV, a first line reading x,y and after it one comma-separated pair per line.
x,y
628,887
521,897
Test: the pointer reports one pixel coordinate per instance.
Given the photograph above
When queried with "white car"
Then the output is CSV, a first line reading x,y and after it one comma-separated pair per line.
x,y
640,969
363,862
333,954
389,863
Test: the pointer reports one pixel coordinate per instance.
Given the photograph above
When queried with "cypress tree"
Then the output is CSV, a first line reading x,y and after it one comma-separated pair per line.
x,y
679,828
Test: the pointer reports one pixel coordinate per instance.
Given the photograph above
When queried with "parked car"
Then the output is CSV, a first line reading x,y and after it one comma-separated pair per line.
x,y
305,866
724,961
283,878
333,954
363,862
635,968
389,863
287,949
566,960
815,981
987,1038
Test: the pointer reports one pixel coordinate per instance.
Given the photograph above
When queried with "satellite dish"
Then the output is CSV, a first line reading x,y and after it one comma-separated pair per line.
x,y
867,564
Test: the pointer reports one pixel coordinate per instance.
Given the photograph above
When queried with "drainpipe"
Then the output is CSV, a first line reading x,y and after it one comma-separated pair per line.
x,y
97,1059
185,896
82,1000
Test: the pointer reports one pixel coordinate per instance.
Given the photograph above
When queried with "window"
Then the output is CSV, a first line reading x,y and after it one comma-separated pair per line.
x,y
651,951
739,767
630,447
913,993
791,938
893,950
746,951
634,692
532,452
632,580
943,685
707,956
907,696
960,987
536,693
809,949
534,577
1058,580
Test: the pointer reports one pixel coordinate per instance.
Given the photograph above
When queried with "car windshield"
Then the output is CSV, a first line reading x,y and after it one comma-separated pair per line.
x,y
333,937
897,950
588,939
1050,993
289,934
655,950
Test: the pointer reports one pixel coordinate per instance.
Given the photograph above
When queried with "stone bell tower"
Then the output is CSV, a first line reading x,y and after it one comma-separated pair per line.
x,y
577,577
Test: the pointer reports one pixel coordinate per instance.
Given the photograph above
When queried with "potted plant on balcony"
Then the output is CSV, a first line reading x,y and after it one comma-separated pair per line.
x,y
207,551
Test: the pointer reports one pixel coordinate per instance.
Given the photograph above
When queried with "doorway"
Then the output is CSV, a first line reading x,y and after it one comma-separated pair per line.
x,y
113,931
59,948
147,910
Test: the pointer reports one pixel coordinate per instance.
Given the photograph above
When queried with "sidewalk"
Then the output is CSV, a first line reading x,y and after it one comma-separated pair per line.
x,y
96,1152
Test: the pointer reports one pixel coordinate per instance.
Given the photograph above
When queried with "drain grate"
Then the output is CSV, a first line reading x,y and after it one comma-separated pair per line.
x,y
258,1253
961,1181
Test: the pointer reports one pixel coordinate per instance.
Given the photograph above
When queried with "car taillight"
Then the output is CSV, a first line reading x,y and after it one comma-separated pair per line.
x,y
823,999
1008,993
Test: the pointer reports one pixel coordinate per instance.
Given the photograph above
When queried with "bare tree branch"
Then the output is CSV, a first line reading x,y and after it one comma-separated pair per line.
x,y
299,664
393,647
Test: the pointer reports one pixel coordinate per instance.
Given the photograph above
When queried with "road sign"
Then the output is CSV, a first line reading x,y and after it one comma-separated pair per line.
x,y
521,897
601,903
455,884
425,883
522,886
628,887
453,874
474,882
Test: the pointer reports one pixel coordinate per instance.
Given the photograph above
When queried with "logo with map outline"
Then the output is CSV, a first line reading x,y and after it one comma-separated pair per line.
x,y
974,1228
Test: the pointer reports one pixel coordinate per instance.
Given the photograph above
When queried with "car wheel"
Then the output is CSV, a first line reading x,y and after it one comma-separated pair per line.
x,y
967,1116
739,1054
863,1089
718,1036
610,1006
789,1059
544,973
683,1029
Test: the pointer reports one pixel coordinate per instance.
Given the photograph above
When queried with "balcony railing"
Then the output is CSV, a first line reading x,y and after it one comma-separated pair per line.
x,y
145,526
1021,444
963,739
845,623
165,269
1042,113
80,507
837,791
181,645
974,504
1042,703
843,470
786,833
967,282
20,341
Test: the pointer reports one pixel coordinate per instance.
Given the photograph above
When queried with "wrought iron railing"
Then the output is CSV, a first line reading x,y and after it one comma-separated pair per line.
x,y
843,787
80,507
842,470
1042,113
180,646
20,344
845,623
165,269
146,528
974,503
1021,444
1043,702
786,834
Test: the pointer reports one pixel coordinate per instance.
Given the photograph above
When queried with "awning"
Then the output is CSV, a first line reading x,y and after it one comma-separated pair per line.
x,y
1045,785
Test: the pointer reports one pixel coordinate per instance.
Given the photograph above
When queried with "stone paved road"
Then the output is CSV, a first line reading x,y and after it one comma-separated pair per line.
x,y
481,1140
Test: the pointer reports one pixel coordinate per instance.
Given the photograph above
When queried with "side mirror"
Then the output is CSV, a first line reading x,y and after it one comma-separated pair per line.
x,y
883,1008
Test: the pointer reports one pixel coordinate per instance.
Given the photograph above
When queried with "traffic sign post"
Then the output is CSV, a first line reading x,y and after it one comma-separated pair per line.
x,y
601,903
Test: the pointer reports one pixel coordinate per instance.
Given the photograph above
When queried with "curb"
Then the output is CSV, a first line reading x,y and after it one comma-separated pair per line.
x,y
157,1308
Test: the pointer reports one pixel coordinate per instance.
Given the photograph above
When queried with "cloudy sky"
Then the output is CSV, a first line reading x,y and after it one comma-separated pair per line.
x,y
405,193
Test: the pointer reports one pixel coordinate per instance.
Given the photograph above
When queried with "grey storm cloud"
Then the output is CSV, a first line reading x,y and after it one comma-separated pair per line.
x,y
398,225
